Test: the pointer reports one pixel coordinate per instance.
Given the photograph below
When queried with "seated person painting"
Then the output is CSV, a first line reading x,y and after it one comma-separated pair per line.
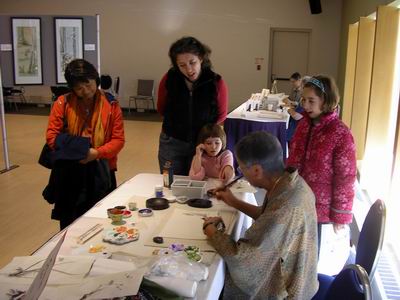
x,y
277,257
212,160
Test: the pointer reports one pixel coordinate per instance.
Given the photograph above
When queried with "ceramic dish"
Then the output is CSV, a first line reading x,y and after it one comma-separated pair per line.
x,y
182,199
121,235
126,214
145,212
200,203
171,199
157,203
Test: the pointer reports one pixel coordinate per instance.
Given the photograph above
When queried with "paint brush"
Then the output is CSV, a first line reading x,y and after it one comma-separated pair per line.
x,y
211,192
232,182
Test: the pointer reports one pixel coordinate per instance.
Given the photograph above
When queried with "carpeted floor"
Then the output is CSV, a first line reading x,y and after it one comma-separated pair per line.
x,y
44,110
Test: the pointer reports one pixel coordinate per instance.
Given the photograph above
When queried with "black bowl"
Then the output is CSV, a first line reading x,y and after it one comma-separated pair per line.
x,y
200,203
157,203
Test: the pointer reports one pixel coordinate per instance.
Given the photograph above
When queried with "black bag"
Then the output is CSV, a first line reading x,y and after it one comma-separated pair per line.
x,y
46,157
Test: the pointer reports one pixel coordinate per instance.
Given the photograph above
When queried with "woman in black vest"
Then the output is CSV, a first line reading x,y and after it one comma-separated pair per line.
x,y
190,96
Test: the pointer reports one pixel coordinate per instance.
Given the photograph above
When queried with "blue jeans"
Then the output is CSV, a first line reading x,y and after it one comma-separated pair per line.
x,y
179,153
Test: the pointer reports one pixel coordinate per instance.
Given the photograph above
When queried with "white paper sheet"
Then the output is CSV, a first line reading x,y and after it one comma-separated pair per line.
x,y
66,270
186,224
107,279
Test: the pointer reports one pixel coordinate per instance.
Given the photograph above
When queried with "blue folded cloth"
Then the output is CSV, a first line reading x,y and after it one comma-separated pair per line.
x,y
70,147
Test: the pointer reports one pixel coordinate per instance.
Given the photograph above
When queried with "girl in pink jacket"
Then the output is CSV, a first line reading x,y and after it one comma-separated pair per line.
x,y
211,159
323,151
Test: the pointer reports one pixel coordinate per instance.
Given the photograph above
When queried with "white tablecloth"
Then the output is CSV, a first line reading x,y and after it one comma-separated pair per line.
x,y
138,189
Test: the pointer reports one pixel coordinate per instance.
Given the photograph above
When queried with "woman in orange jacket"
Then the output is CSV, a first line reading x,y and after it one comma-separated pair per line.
x,y
86,132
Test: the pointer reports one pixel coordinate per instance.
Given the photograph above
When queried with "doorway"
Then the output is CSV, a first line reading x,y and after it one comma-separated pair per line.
x,y
289,53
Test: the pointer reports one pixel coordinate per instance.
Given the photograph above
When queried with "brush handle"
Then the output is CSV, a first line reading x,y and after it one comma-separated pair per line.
x,y
233,182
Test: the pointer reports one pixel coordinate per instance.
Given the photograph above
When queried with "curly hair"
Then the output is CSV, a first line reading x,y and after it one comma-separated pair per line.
x,y
191,45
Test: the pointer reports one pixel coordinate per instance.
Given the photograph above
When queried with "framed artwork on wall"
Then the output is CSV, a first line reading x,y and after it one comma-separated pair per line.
x,y
27,51
69,43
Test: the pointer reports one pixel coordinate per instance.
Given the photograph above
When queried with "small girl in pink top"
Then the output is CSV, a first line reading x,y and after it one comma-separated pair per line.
x,y
211,159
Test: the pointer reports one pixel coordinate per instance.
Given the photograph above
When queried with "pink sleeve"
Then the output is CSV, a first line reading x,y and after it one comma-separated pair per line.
x,y
226,160
197,176
345,172
222,90
162,95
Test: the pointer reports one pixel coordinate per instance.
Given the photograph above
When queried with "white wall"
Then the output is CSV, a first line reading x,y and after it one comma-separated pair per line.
x,y
136,35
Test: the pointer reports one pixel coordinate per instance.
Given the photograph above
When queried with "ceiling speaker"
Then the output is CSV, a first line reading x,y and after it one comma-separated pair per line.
x,y
315,6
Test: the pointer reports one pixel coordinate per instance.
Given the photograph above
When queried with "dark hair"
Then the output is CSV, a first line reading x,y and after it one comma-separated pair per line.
x,y
80,71
105,82
261,148
212,130
191,45
329,92
295,76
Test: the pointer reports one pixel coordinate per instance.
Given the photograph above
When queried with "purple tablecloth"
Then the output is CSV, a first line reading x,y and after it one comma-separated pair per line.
x,y
237,128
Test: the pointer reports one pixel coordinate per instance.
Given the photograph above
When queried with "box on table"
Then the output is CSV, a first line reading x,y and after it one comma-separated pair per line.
x,y
189,188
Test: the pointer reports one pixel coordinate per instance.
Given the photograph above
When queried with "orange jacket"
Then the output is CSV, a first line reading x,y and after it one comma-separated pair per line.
x,y
113,125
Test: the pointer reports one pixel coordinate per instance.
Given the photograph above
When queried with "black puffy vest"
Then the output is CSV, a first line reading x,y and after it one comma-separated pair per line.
x,y
187,112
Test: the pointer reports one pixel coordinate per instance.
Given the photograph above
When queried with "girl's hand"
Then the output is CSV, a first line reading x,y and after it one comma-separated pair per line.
x,y
337,227
199,149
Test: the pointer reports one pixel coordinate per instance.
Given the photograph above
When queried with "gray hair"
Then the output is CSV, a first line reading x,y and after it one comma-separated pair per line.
x,y
261,148
305,79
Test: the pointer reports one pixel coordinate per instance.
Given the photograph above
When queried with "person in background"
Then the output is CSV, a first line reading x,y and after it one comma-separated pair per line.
x,y
190,96
295,93
294,103
105,85
277,257
86,132
323,151
212,160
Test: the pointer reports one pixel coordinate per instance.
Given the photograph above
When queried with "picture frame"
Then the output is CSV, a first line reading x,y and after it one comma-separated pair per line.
x,y
69,43
27,51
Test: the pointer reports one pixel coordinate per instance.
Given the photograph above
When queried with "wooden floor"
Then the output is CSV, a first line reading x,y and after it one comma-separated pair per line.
x,y
25,222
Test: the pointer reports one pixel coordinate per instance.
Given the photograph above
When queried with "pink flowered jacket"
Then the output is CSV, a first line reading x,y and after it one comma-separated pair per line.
x,y
324,154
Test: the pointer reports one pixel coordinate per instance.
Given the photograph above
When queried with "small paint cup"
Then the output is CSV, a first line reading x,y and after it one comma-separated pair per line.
x,y
109,212
270,106
121,207
145,212
116,216
132,205
182,199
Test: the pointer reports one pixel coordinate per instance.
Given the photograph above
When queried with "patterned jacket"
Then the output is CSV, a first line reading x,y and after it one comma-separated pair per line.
x,y
277,258
325,156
